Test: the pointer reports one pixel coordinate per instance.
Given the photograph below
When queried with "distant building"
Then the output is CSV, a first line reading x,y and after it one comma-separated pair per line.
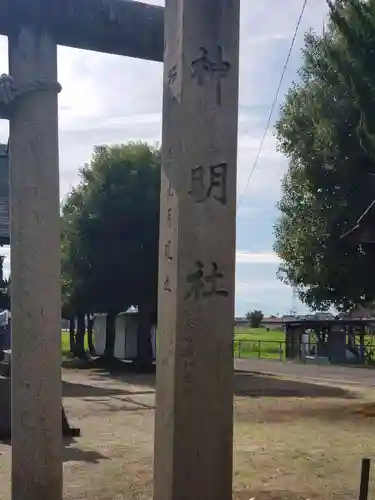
x,y
241,322
272,323
362,312
321,316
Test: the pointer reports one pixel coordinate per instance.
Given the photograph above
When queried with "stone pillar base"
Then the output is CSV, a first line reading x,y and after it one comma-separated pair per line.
x,y
5,415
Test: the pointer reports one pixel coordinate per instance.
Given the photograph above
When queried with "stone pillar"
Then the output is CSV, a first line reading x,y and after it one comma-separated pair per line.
x,y
35,268
194,401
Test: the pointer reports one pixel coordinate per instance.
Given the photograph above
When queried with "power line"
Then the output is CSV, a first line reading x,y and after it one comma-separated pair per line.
x,y
273,104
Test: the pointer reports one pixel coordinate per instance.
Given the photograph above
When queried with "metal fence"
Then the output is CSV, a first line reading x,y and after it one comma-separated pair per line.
x,y
273,349
261,349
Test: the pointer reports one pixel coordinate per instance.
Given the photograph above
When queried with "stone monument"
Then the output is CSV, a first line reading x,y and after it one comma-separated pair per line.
x,y
193,446
194,402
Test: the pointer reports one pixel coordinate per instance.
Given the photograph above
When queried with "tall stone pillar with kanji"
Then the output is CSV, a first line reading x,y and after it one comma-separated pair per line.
x,y
194,408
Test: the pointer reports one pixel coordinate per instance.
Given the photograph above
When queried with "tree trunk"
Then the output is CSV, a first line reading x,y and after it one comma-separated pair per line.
x,y
110,334
79,350
90,330
72,334
144,346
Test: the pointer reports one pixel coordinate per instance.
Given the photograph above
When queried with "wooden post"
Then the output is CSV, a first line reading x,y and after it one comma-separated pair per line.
x,y
287,342
365,479
194,400
35,269
362,344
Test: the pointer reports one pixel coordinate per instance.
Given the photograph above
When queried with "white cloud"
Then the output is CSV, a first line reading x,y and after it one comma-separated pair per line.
x,y
112,99
258,287
244,257
265,178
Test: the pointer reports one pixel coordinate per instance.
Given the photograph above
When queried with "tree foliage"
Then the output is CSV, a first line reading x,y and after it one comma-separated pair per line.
x,y
110,227
324,132
355,22
255,318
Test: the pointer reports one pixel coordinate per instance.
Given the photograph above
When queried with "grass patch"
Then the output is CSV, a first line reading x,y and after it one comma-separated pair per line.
x,y
248,343
259,343
65,343
256,334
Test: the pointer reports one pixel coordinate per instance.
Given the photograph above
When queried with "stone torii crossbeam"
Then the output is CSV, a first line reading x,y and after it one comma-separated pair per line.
x,y
194,414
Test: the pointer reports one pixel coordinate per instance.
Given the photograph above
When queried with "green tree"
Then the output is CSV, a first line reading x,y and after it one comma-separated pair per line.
x,y
354,20
255,318
78,293
327,184
112,224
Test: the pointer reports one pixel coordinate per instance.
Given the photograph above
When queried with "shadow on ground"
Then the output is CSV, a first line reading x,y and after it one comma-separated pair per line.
x,y
116,369
5,414
255,385
123,404
260,386
73,390
74,454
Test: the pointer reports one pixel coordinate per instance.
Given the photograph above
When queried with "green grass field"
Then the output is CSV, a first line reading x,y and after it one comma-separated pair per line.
x,y
248,342
259,343
256,334
65,344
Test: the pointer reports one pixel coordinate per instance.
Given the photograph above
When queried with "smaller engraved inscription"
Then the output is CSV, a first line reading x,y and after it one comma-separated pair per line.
x,y
169,217
172,75
205,67
188,359
168,251
205,285
170,190
167,285
216,187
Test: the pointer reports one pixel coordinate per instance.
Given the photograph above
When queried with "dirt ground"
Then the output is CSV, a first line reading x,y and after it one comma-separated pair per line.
x,y
292,439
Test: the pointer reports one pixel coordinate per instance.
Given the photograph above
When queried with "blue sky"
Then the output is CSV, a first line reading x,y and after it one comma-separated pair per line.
x,y
112,99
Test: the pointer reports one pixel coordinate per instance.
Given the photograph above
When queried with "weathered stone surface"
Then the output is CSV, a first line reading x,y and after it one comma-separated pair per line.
x,y
35,269
5,414
123,27
194,413
10,91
